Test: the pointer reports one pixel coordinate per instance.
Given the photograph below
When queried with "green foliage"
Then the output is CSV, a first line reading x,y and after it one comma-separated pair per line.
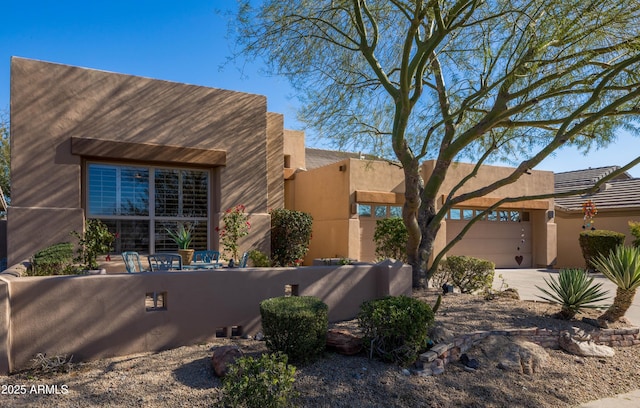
x,y
598,242
621,266
56,259
265,382
235,225
405,79
467,273
295,325
97,240
391,237
635,231
259,259
182,235
290,236
395,328
574,290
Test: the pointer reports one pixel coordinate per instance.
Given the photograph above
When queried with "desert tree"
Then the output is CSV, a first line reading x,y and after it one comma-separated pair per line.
x,y
446,80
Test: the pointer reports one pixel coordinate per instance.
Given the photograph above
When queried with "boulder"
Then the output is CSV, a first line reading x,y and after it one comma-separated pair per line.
x,y
514,354
344,342
584,347
223,357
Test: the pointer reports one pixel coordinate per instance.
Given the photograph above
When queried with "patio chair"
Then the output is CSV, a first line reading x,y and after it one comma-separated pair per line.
x,y
165,262
206,256
243,260
132,262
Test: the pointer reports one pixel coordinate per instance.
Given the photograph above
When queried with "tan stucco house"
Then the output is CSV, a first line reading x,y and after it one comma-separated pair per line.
x,y
617,203
347,192
143,154
138,153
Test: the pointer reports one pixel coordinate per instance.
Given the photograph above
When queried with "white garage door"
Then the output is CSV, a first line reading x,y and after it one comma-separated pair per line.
x,y
504,237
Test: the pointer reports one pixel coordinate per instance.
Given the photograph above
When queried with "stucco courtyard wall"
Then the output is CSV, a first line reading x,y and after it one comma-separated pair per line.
x,y
62,116
570,227
105,315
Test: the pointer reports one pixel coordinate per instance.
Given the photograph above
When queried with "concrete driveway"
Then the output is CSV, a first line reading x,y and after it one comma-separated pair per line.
x,y
526,280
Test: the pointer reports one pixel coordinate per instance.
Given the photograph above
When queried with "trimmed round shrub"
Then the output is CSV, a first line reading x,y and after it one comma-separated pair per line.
x,y
598,243
395,328
266,381
290,236
467,273
296,326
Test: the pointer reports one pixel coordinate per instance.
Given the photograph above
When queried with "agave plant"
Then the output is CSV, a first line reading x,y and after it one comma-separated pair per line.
x,y
181,235
622,267
574,290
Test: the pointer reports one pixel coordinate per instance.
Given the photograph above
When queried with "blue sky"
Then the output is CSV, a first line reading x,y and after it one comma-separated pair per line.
x,y
183,42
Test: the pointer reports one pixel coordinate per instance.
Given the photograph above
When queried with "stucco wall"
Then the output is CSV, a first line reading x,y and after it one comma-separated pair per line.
x,y
570,227
105,315
53,103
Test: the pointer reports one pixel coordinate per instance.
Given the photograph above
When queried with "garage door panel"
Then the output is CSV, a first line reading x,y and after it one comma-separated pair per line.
x,y
499,242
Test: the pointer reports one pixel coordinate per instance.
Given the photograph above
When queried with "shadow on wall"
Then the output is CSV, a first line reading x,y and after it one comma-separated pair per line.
x,y
108,315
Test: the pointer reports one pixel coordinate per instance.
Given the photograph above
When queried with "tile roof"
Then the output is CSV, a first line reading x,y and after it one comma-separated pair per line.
x,y
618,193
315,158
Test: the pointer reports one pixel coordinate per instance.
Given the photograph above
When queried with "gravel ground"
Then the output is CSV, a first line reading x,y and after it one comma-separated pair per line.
x,y
183,376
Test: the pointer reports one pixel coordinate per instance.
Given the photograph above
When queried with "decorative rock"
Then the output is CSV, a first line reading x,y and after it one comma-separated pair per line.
x,y
515,354
223,357
585,348
259,336
440,334
437,367
344,342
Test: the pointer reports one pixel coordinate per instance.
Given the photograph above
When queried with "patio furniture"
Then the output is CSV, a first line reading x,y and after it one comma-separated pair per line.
x,y
243,260
206,256
204,260
132,262
165,262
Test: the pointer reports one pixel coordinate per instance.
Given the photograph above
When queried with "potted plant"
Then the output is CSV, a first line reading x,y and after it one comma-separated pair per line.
x,y
182,237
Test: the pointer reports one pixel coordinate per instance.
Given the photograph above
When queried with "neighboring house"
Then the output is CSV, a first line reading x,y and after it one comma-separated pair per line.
x,y
347,193
617,202
138,153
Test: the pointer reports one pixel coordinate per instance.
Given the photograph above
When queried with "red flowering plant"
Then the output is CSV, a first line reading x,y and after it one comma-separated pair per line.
x,y
235,225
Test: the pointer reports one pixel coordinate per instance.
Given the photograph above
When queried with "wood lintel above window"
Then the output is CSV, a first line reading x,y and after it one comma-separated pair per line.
x,y
485,202
379,197
147,152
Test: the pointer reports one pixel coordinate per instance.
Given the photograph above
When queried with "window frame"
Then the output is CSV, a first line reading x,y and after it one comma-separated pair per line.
x,y
151,218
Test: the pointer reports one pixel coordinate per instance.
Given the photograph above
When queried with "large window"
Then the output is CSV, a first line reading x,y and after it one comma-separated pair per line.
x,y
140,203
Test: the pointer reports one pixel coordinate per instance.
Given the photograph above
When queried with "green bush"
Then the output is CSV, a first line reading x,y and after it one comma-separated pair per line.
x,y
259,259
598,243
290,236
391,238
56,259
467,273
257,383
395,328
635,231
295,325
95,240
573,291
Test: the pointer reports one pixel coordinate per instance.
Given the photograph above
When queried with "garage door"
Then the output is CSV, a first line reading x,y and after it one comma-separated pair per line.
x,y
504,237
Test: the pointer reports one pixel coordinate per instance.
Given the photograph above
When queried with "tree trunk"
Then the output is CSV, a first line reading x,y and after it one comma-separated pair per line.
x,y
621,303
410,215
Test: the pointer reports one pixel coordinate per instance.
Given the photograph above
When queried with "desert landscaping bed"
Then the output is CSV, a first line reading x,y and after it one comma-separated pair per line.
x,y
184,377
